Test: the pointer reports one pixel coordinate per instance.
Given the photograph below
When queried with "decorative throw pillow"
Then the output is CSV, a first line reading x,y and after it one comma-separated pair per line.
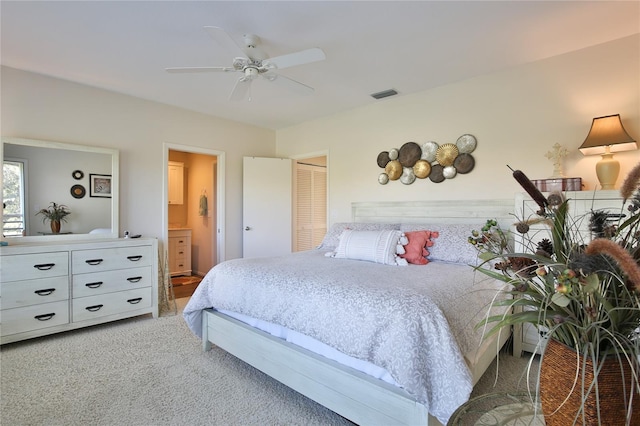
x,y
416,249
332,237
452,245
373,246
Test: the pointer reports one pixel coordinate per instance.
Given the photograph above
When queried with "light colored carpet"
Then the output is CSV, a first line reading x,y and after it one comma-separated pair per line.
x,y
153,372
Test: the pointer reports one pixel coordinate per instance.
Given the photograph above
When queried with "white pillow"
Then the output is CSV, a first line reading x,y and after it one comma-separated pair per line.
x,y
373,246
332,237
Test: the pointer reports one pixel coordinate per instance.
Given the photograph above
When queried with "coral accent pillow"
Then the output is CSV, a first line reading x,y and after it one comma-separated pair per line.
x,y
416,249
453,245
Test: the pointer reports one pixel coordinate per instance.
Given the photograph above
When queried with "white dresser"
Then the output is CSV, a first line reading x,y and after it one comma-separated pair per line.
x,y
50,288
581,203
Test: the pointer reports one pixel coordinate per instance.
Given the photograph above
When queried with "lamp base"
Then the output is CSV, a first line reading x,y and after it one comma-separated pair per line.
x,y
607,170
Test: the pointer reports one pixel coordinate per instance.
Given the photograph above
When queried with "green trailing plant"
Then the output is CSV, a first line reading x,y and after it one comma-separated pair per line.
x,y
55,212
581,290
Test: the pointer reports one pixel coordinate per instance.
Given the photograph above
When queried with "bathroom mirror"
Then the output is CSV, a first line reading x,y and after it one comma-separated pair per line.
x,y
37,173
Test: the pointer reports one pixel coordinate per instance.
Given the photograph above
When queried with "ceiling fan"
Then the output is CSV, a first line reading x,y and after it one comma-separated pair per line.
x,y
255,63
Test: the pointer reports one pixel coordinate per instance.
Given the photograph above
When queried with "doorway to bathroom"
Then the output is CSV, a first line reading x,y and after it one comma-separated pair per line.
x,y
192,236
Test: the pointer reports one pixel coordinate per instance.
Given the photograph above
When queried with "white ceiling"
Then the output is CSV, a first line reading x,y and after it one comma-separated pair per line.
x,y
370,46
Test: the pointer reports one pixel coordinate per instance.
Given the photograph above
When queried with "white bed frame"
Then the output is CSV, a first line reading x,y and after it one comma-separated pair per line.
x,y
348,392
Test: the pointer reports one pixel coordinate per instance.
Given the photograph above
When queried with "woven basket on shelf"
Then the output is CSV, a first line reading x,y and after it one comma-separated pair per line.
x,y
557,376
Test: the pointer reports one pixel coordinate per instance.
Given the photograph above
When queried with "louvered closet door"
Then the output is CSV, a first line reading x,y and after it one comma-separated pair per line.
x,y
311,206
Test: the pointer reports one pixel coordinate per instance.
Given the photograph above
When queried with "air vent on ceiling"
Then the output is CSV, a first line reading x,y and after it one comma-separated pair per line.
x,y
384,94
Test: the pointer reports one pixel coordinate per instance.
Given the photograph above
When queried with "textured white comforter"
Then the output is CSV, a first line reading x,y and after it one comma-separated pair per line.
x,y
414,321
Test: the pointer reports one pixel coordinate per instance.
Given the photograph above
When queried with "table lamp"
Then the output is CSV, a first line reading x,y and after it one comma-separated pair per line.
x,y
607,135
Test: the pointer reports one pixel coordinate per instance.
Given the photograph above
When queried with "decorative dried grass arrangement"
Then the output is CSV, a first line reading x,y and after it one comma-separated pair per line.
x,y
584,295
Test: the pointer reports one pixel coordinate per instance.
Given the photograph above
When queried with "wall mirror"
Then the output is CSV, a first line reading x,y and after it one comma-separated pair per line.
x,y
37,173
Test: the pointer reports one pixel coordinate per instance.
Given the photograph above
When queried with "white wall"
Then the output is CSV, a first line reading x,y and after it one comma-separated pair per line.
x,y
517,115
40,107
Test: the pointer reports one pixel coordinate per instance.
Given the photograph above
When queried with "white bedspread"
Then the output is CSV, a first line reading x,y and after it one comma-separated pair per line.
x,y
413,321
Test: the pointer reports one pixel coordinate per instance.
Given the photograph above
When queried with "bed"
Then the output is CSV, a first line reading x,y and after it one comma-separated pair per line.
x,y
364,338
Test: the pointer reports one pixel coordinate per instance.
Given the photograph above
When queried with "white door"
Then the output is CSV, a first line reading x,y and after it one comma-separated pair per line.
x,y
266,206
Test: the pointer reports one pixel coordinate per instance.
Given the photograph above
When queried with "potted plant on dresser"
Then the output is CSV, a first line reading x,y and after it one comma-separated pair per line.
x,y
584,295
55,214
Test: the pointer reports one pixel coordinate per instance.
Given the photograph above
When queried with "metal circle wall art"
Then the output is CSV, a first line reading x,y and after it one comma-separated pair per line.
x,y
383,159
446,154
409,153
428,160
393,169
421,169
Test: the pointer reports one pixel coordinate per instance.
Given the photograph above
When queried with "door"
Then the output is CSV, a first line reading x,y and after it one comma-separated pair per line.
x,y
266,206
310,207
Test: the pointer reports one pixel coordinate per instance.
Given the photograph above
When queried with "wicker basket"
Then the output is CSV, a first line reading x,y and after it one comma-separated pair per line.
x,y
557,376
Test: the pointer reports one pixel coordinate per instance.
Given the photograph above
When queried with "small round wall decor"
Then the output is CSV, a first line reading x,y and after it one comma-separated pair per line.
x,y
77,174
78,191
427,160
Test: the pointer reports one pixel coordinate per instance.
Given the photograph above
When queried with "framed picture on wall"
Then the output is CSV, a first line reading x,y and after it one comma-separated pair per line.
x,y
100,186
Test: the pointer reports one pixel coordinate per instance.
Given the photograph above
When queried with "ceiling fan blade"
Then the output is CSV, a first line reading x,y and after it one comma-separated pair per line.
x,y
289,83
223,38
241,90
199,69
298,58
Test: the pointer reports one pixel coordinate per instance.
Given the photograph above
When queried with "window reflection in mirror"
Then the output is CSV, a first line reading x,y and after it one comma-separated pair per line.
x,y
13,197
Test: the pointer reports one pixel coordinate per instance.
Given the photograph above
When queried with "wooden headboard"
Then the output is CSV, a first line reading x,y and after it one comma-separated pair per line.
x,y
437,211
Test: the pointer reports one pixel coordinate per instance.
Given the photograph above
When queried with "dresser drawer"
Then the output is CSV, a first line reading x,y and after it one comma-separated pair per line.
x,y
111,281
34,317
181,262
17,294
112,258
86,308
19,267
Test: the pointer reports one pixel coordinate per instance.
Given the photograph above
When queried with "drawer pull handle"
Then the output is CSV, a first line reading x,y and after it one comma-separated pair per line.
x,y
44,266
45,292
45,317
94,308
134,279
94,285
94,261
135,301
134,258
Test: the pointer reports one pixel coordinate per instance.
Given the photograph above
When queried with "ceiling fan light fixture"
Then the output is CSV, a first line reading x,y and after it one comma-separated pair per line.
x,y
251,73
251,40
384,94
